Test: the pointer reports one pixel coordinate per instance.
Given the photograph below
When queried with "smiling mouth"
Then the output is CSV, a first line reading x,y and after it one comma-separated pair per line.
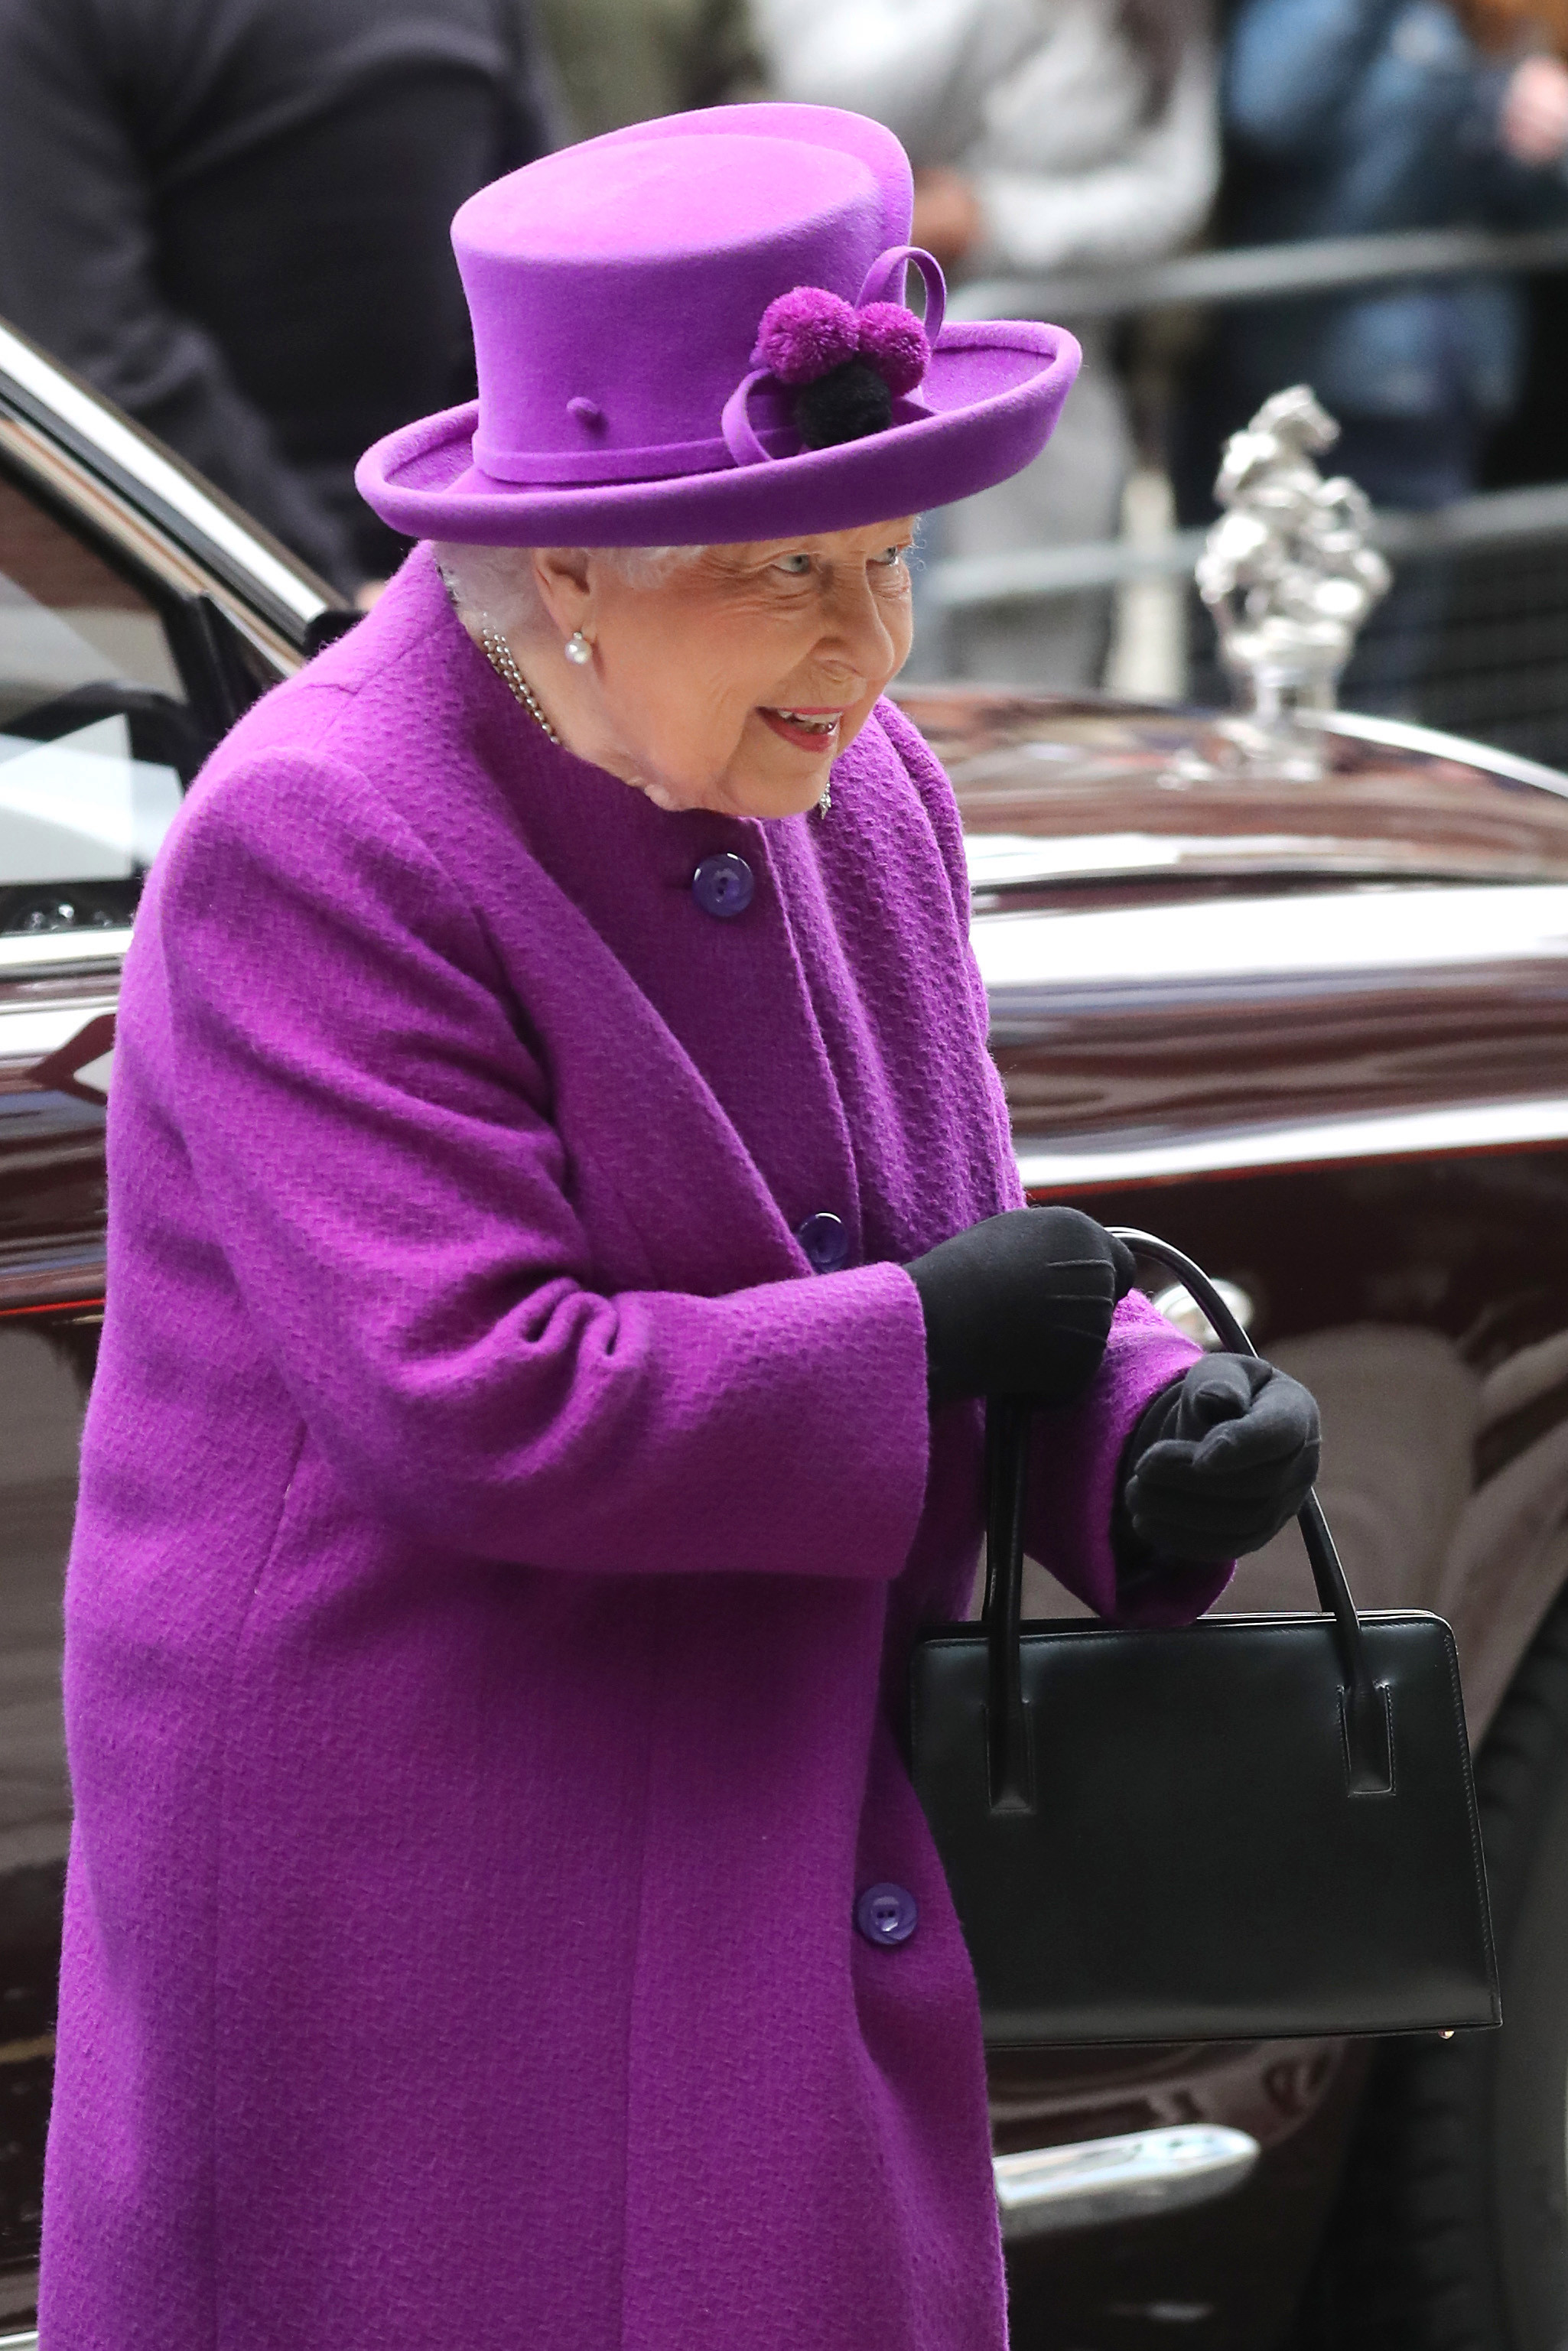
x,y
810,730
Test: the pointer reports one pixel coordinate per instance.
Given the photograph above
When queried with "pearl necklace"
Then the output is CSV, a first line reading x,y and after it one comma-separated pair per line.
x,y
503,661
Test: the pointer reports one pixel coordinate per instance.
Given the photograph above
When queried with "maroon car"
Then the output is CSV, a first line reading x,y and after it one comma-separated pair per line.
x,y
1315,1033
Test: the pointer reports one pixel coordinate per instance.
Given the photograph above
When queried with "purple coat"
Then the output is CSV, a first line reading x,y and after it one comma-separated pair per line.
x,y
497,1554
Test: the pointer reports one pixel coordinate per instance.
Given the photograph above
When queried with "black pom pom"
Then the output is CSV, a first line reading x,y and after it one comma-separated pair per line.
x,y
845,404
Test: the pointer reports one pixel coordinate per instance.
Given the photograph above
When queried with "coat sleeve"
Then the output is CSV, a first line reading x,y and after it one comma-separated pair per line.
x,y
535,113
918,66
79,272
1292,65
370,1133
1149,199
1077,1448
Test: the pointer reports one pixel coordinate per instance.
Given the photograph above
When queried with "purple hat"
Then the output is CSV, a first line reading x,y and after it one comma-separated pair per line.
x,y
694,330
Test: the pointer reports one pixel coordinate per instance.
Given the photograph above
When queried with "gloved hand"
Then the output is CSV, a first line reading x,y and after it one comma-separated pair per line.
x,y
1021,1305
1218,1463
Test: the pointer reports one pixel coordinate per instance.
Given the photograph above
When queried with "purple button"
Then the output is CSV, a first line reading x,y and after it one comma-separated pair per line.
x,y
723,885
886,1915
824,1240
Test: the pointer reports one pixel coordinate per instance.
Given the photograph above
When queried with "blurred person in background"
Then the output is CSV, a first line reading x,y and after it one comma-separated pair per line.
x,y
232,217
624,62
1349,117
1046,135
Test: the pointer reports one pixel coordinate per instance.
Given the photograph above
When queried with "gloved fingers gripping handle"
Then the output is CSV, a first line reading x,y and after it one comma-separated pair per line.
x,y
1020,1304
1199,1414
1200,1479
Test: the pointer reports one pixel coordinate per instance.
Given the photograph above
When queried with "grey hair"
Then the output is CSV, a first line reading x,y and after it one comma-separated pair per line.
x,y
497,583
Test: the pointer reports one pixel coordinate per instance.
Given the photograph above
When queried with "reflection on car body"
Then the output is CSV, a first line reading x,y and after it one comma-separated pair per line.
x,y
1317,1036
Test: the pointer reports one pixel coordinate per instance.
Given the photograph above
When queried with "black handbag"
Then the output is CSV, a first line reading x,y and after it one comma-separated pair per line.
x,y
1253,1827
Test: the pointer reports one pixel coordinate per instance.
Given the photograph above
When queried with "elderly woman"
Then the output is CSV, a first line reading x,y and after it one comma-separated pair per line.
x,y
562,1220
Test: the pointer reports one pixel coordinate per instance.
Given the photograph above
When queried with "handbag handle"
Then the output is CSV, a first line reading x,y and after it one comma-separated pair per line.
x,y
1368,1749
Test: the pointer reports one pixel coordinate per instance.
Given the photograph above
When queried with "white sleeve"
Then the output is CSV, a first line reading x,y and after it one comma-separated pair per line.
x,y
900,61
1149,202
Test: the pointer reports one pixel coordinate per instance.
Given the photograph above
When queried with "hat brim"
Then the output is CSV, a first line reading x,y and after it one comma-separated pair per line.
x,y
994,390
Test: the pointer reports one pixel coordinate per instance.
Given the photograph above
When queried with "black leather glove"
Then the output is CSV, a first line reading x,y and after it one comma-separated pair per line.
x,y
1021,1305
1216,1464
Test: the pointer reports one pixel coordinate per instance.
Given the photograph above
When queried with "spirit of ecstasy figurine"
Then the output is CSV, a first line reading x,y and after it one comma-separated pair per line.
x,y
1290,578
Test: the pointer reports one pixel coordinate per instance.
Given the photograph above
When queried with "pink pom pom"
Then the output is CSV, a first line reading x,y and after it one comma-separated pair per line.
x,y
893,341
806,334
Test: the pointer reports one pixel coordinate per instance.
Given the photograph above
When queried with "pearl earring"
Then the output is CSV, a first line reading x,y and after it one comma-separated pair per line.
x,y
578,650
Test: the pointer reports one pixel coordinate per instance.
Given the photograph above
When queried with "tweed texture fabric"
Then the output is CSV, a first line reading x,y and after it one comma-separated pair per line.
x,y
497,1554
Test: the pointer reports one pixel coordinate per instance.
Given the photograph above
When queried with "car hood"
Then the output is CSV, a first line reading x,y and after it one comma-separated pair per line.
x,y
1064,793
1193,975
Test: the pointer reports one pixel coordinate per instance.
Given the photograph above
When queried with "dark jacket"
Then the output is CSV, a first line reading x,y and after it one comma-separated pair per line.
x,y
1347,117
231,217
623,61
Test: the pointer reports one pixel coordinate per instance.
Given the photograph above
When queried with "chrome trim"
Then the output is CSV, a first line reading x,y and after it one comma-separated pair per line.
x,y
137,456
1069,1167
19,2342
45,952
30,1032
1097,2180
1043,965
1402,735
1176,1303
113,515
1012,860
1001,863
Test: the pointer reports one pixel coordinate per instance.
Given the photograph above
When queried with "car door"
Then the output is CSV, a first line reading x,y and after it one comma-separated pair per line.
x,y
138,617
98,739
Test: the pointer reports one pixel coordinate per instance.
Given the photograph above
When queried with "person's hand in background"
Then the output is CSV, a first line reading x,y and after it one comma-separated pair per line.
x,y
1533,124
948,215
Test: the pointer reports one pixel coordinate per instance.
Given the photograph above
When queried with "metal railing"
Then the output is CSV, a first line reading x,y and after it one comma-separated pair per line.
x,y
1496,655
1262,273
1492,519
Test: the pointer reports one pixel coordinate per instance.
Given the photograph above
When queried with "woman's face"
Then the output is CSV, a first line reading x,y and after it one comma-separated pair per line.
x,y
736,680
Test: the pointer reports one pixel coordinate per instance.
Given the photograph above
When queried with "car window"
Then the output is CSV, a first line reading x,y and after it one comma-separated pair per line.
x,y
96,741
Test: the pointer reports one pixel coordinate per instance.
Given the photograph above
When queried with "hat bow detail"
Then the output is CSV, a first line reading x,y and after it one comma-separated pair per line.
x,y
844,363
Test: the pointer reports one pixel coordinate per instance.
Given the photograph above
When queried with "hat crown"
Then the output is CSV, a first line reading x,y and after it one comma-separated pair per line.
x,y
618,296
616,290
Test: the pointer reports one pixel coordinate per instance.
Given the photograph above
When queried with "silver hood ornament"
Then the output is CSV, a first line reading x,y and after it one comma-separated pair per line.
x,y
1289,575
